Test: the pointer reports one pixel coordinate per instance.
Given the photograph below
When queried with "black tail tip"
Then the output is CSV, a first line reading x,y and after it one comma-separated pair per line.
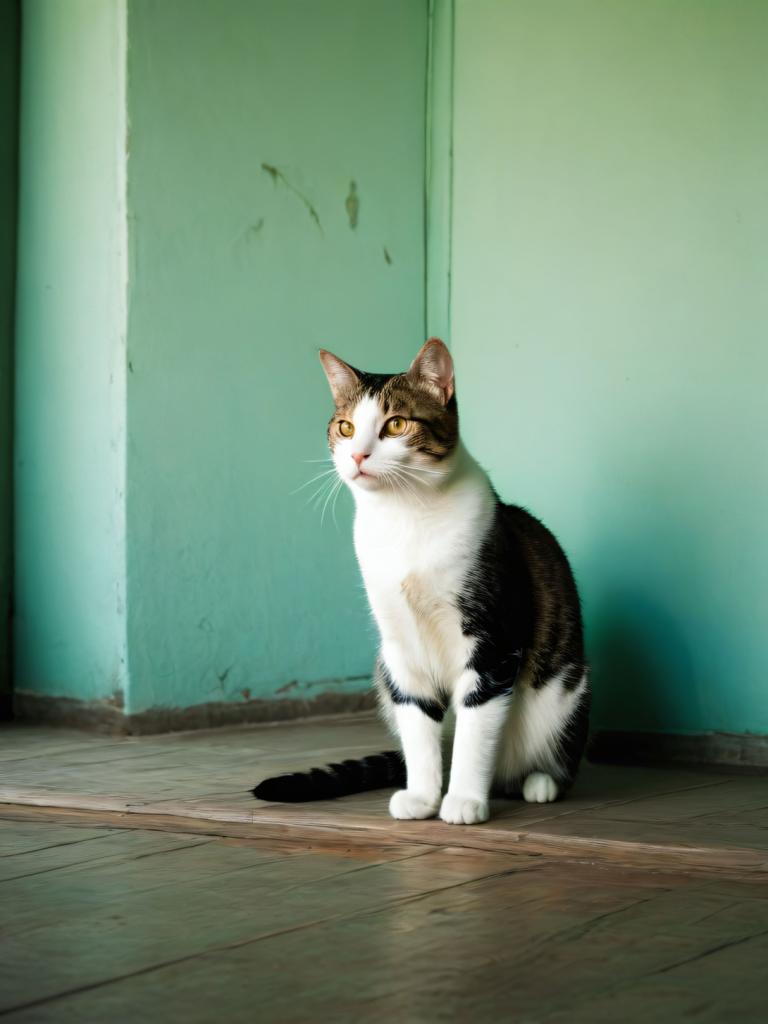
x,y
283,789
374,772
267,790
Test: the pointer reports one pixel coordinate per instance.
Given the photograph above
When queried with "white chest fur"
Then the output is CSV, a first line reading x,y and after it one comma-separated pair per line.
x,y
414,556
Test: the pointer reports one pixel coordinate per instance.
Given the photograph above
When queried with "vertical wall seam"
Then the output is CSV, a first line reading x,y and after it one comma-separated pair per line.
x,y
449,170
428,158
438,174
427,184
120,372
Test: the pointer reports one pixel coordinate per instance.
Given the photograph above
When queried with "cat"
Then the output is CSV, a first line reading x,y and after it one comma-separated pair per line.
x,y
475,602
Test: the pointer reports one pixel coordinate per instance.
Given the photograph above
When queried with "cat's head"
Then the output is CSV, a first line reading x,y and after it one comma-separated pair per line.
x,y
397,431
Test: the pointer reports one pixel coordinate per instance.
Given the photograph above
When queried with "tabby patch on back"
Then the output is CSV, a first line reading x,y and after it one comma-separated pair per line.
x,y
475,603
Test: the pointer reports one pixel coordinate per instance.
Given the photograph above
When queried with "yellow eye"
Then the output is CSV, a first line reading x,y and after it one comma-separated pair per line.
x,y
346,429
396,426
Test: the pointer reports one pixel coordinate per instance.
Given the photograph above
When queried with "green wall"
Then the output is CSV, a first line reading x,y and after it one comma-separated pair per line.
x,y
9,102
175,283
609,315
597,249
238,275
70,365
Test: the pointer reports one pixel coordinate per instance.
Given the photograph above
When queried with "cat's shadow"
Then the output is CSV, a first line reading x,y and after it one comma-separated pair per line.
x,y
642,667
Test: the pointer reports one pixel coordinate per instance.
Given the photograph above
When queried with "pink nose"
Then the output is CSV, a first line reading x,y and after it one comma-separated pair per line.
x,y
359,456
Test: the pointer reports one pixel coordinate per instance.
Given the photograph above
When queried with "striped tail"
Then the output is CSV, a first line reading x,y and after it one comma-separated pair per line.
x,y
379,771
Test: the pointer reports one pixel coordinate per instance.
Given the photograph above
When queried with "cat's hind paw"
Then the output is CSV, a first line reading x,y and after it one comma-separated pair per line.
x,y
406,804
463,810
540,788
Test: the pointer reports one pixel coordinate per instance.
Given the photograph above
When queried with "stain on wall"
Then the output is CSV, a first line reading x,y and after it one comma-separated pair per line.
x,y
352,205
279,177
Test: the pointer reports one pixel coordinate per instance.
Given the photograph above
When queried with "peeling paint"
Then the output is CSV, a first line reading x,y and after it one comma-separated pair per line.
x,y
251,233
277,175
288,686
246,693
352,205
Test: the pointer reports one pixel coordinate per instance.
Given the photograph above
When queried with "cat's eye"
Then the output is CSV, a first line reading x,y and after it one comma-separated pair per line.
x,y
346,429
396,426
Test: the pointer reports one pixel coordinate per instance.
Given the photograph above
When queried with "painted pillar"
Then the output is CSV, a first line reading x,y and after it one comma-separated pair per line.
x,y
70,624
174,289
276,197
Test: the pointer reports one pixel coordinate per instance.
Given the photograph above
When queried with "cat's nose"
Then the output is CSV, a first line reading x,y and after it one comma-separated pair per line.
x,y
359,456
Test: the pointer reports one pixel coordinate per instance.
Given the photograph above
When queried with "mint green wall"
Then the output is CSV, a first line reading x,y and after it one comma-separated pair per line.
x,y
70,620
438,131
9,103
606,274
234,586
171,303
609,321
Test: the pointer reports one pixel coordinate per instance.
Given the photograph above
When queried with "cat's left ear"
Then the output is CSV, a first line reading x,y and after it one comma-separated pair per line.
x,y
342,378
433,368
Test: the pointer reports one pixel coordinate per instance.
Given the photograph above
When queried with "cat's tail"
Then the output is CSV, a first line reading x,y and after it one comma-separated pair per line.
x,y
378,771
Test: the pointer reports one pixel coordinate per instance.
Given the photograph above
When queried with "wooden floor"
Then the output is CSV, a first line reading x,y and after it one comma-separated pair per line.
x,y
139,880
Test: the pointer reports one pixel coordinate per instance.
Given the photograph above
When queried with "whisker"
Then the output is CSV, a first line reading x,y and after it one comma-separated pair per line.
x,y
333,490
416,479
405,471
321,491
423,469
407,488
319,476
333,504
408,471
411,493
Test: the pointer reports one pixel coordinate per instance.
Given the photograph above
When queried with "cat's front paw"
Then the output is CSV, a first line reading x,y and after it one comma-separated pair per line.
x,y
407,804
540,788
463,810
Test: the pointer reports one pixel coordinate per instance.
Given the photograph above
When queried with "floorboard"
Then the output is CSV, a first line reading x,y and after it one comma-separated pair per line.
x,y
139,880
660,817
209,931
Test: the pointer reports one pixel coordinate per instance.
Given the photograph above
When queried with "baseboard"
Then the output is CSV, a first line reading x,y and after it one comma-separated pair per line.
x,y
732,750
105,717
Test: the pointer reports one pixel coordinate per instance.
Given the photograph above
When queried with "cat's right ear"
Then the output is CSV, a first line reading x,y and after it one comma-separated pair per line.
x,y
341,377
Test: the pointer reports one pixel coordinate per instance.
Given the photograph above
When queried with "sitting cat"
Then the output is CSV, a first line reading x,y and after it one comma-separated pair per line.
x,y
476,606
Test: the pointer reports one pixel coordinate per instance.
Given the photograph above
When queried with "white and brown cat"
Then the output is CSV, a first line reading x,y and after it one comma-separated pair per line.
x,y
475,603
